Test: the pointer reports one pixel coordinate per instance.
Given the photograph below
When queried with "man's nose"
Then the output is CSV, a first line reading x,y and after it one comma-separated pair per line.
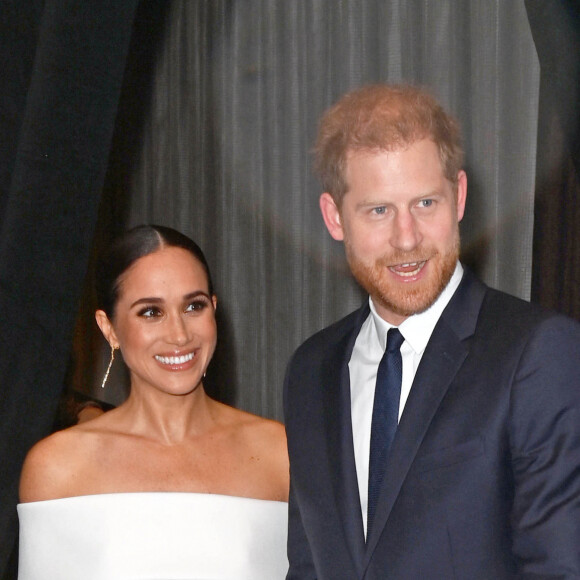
x,y
405,234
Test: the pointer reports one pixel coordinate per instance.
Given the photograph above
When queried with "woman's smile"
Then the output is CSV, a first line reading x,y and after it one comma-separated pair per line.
x,y
165,321
175,360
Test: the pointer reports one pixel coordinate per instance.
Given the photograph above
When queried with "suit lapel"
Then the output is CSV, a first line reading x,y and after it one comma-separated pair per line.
x,y
337,409
443,357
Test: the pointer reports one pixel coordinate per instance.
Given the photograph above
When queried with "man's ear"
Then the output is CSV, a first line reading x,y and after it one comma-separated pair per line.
x,y
106,328
331,216
461,194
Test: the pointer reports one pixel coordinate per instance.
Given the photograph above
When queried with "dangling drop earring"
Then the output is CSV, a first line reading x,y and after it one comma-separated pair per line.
x,y
113,349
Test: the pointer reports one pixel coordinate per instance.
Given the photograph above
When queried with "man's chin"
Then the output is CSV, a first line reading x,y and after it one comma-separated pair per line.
x,y
408,304
407,299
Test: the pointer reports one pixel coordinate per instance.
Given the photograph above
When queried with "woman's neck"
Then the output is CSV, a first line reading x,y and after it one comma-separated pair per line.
x,y
166,418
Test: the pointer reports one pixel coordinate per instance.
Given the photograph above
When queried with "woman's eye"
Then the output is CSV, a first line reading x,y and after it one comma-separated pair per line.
x,y
150,312
196,305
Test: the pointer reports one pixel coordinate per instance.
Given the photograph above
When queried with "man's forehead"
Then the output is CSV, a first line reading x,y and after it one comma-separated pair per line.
x,y
394,147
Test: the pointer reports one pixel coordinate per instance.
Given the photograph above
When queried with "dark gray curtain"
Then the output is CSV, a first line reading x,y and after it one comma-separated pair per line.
x,y
224,154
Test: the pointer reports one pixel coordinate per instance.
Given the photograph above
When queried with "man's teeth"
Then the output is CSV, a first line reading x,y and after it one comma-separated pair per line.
x,y
416,265
174,360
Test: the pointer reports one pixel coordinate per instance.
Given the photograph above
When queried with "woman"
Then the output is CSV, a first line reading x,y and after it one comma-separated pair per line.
x,y
90,502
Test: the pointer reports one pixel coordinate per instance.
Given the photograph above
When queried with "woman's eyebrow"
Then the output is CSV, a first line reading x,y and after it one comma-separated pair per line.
x,y
155,300
196,293
147,300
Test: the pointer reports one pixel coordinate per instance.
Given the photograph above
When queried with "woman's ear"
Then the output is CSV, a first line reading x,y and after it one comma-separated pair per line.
x,y
106,328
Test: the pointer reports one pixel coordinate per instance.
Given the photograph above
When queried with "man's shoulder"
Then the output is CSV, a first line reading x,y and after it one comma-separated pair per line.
x,y
337,331
500,310
320,360
517,310
331,341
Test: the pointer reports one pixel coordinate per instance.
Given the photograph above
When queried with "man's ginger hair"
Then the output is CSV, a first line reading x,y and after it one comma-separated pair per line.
x,y
379,118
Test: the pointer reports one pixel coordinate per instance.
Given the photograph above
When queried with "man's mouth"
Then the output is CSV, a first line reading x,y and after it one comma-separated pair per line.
x,y
408,270
175,360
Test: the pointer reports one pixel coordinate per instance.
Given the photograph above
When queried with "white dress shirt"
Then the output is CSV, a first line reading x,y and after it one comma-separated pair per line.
x,y
366,356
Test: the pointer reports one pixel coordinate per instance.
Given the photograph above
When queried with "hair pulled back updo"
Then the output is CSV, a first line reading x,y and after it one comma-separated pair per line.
x,y
134,244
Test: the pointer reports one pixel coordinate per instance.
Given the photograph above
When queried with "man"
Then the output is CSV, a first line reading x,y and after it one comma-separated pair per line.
x,y
481,477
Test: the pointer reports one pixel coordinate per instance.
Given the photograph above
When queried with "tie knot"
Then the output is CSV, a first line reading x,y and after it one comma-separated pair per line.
x,y
394,340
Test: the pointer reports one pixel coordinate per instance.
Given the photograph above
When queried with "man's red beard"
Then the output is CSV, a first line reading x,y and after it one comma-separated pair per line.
x,y
405,299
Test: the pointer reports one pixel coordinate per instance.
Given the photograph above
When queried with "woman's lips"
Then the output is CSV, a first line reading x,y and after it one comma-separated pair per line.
x,y
175,360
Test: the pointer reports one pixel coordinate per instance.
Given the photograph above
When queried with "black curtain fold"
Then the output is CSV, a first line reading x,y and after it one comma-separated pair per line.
x,y
555,26
67,58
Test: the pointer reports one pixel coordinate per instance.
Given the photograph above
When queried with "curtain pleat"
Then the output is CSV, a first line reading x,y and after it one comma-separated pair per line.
x,y
556,247
238,89
66,105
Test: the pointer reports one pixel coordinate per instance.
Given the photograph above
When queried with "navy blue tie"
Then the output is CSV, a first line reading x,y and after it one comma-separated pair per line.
x,y
385,417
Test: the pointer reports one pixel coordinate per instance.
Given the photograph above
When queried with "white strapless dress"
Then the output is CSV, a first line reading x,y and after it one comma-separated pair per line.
x,y
153,536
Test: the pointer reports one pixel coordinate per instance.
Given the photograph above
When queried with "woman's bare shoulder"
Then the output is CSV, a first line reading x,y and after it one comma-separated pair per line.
x,y
270,431
51,465
255,426
260,445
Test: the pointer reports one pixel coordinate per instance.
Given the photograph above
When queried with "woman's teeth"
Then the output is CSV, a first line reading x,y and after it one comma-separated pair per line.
x,y
174,360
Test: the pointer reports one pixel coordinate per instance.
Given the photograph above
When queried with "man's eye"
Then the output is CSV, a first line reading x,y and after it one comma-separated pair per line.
x,y
149,312
379,210
426,203
196,305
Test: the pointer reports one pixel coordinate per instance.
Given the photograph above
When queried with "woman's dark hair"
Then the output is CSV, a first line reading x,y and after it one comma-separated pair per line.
x,y
136,243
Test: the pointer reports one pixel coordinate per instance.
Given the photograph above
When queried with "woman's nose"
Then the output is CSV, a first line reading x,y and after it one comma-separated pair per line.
x,y
178,333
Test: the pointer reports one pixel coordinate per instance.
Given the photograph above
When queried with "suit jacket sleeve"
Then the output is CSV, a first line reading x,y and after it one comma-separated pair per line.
x,y
301,564
545,445
299,553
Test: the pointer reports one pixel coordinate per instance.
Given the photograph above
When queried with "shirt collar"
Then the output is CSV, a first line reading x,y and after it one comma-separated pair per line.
x,y
417,329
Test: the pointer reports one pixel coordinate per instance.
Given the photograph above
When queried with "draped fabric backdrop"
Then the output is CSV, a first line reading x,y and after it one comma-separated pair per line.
x,y
64,68
224,155
556,248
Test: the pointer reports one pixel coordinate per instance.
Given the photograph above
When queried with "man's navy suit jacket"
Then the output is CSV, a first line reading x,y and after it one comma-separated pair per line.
x,y
483,477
